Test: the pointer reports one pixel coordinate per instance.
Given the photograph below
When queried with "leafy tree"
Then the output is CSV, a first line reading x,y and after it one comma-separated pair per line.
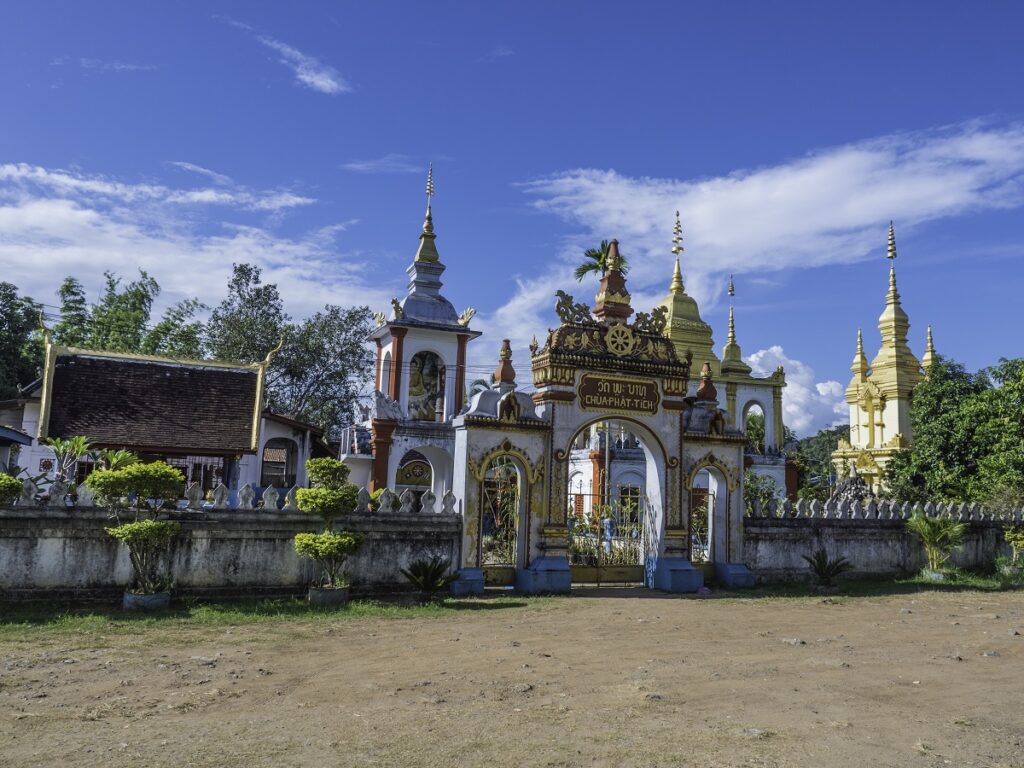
x,y
147,540
596,261
330,550
813,458
119,322
939,536
250,321
754,428
760,488
322,367
331,495
21,352
75,326
997,414
68,452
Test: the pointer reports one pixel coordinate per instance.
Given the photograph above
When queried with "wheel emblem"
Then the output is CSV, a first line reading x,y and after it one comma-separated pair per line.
x,y
620,340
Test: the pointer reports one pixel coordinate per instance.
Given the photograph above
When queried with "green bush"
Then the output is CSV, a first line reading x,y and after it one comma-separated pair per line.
x,y
328,503
329,550
939,536
327,473
147,540
1015,538
10,489
137,484
429,577
826,569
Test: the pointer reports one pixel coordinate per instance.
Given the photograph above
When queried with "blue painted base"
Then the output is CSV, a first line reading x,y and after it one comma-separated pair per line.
x,y
734,575
470,582
677,574
546,575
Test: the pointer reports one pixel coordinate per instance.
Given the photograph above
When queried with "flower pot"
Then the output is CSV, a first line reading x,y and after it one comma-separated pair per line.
x,y
933,575
136,601
328,596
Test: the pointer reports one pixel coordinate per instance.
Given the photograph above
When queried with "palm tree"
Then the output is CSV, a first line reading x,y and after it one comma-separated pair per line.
x,y
596,260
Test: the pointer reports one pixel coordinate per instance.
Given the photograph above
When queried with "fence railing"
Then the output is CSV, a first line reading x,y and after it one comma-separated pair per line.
x,y
882,510
272,500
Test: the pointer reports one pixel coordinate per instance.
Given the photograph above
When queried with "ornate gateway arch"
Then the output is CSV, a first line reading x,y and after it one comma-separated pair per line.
x,y
592,368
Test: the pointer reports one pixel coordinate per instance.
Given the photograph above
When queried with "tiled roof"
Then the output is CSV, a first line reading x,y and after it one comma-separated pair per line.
x,y
147,404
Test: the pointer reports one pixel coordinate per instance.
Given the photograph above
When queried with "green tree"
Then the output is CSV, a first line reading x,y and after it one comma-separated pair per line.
x,y
322,367
595,260
813,458
250,322
118,322
177,334
75,324
997,414
754,428
21,351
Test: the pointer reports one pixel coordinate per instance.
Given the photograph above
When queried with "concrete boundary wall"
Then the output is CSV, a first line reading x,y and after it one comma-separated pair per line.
x,y
53,552
876,547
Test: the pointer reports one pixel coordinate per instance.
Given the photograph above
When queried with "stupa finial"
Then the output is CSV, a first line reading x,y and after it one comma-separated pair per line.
x,y
427,250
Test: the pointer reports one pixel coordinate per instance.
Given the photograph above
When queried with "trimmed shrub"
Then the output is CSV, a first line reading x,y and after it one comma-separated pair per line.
x,y
327,473
135,485
330,550
147,541
10,489
331,495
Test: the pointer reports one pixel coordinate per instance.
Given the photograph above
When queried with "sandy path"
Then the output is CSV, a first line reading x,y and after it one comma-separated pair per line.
x,y
922,680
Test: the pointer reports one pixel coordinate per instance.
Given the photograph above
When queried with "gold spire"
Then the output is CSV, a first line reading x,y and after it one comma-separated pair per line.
x,y
929,351
676,286
427,250
732,355
731,341
860,361
891,251
891,255
894,369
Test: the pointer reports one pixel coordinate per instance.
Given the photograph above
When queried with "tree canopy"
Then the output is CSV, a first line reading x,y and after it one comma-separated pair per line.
x,y
21,352
968,435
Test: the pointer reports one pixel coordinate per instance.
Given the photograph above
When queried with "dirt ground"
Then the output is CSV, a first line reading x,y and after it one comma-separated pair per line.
x,y
928,679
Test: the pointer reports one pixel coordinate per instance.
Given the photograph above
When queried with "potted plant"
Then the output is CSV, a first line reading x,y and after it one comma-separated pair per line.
x,y
329,550
826,569
135,495
330,497
429,577
939,536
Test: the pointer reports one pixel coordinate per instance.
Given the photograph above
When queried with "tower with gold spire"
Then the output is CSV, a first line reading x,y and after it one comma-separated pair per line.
x,y
744,392
879,394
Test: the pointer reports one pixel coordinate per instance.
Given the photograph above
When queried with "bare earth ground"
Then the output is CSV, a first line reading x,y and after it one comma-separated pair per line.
x,y
927,679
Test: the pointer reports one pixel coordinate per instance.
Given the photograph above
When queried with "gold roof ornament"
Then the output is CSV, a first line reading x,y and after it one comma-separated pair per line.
x,y
732,355
929,351
612,300
895,369
505,373
427,250
683,324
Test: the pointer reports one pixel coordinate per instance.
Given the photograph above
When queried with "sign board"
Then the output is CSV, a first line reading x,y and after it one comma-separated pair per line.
x,y
621,395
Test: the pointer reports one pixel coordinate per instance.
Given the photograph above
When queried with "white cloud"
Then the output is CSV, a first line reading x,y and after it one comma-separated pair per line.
x,y
55,223
309,71
216,178
500,52
830,206
807,405
59,182
103,65
390,163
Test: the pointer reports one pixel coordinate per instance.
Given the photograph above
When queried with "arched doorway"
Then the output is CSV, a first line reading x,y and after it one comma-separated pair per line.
x,y
755,427
614,502
708,534
501,521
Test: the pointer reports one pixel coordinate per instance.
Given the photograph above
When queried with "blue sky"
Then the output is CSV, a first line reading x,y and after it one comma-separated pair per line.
x,y
183,136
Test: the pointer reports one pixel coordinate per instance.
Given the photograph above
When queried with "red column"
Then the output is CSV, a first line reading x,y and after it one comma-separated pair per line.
x,y
460,374
381,432
397,336
380,363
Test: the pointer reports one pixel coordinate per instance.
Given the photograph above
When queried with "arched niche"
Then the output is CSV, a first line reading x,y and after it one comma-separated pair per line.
x,y
757,426
425,391
278,462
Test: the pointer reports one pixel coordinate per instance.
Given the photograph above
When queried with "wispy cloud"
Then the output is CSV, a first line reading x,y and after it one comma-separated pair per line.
x,y
102,65
309,72
390,163
216,178
500,52
55,223
76,185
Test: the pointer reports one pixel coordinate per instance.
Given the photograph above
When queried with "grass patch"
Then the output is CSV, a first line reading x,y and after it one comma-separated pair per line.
x,y
44,619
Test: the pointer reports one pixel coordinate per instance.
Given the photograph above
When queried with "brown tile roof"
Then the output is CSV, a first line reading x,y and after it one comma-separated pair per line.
x,y
153,405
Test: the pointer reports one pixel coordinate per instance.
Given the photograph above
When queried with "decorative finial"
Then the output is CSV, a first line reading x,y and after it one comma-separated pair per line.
x,y
731,340
534,345
427,250
706,391
505,373
929,351
677,236
892,242
676,285
860,342
613,256
430,183
732,288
